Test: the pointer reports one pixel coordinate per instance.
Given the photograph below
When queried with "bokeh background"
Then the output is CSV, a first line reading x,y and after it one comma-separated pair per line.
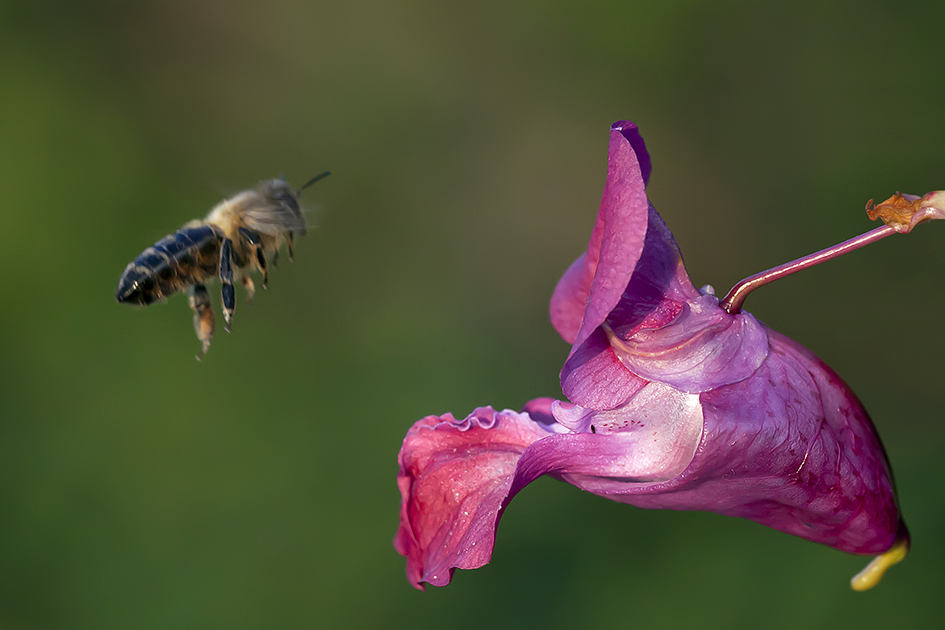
x,y
142,489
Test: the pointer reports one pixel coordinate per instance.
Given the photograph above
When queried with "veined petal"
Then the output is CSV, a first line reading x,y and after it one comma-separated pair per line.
x,y
570,296
594,377
834,483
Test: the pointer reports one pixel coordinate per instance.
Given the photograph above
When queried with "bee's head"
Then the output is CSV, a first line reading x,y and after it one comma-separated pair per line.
x,y
279,192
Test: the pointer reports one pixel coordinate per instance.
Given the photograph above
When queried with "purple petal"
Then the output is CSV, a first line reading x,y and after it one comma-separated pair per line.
x,y
594,377
659,284
812,463
570,297
594,287
632,133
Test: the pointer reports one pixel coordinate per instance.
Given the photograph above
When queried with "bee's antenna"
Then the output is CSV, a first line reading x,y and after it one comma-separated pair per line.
x,y
311,181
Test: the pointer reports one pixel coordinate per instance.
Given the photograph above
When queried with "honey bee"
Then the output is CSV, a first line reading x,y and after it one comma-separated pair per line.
x,y
239,234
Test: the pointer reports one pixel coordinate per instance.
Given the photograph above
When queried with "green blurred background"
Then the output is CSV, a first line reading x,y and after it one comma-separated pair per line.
x,y
142,489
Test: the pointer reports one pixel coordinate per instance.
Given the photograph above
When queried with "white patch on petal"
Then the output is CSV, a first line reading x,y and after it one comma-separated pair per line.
x,y
659,429
667,424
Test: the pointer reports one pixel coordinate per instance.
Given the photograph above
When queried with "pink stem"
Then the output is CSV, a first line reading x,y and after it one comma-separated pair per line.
x,y
733,301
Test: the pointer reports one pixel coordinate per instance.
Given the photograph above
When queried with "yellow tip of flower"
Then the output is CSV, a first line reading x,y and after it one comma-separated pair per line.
x,y
874,571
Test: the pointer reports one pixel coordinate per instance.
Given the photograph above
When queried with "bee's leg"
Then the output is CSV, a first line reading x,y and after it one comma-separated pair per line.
x,y
275,259
199,300
250,288
226,279
288,243
263,267
255,241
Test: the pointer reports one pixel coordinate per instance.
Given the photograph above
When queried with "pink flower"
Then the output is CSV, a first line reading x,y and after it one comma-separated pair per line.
x,y
678,402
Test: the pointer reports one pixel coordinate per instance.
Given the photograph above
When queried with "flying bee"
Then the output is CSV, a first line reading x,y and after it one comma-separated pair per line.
x,y
239,234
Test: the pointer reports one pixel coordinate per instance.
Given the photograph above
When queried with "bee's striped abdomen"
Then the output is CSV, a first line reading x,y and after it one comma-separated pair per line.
x,y
187,257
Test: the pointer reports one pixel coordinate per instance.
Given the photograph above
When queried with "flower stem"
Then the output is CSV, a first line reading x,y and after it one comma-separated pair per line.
x,y
734,299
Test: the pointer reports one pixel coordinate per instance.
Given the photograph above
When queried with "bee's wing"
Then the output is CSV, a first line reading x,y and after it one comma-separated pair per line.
x,y
273,219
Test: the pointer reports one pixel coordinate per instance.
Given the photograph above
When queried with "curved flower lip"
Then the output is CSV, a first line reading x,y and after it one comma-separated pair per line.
x,y
454,480
457,476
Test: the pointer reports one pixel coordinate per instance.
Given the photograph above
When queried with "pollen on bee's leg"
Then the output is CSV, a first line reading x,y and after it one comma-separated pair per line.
x,y
199,300
871,575
250,288
255,242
